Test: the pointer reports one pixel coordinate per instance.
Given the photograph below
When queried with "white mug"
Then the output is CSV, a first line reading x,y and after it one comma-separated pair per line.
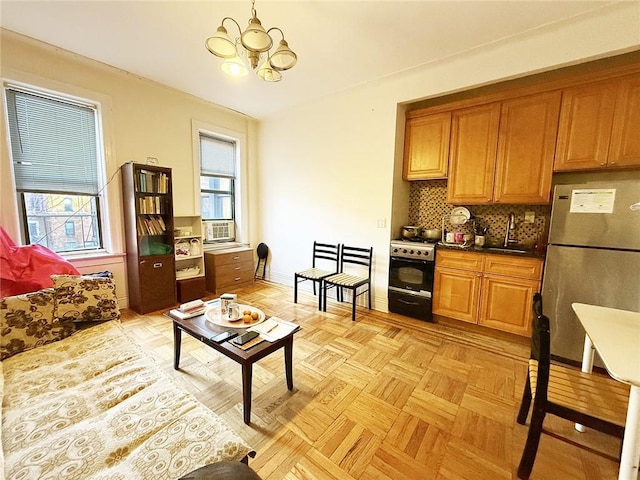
x,y
479,240
233,311
450,237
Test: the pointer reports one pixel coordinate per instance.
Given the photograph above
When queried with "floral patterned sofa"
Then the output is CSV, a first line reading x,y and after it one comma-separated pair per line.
x,y
82,403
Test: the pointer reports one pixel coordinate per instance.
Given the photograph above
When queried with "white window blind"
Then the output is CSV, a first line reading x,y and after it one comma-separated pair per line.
x,y
217,156
53,144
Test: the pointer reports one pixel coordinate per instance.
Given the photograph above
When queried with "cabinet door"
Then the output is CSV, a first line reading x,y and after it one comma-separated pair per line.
x,y
506,303
625,141
474,141
584,133
526,147
157,283
426,146
456,294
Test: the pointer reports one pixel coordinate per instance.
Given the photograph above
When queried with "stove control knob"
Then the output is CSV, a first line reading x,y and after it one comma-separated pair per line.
x,y
395,250
419,252
404,251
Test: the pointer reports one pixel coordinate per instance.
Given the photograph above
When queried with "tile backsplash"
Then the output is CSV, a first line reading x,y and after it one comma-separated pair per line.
x,y
428,205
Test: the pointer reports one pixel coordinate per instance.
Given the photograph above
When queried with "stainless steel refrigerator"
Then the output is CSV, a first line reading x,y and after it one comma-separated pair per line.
x,y
593,256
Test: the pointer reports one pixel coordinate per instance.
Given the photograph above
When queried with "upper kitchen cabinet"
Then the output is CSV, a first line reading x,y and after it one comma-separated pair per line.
x,y
426,146
503,152
474,143
599,125
526,146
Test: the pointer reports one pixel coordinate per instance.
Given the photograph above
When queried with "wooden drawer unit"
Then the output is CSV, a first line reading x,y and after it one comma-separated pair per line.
x,y
228,269
488,289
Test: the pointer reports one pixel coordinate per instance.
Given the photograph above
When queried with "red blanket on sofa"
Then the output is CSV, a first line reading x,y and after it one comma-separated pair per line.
x,y
28,268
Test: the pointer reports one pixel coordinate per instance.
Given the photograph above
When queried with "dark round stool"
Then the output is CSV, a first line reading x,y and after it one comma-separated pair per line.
x,y
223,471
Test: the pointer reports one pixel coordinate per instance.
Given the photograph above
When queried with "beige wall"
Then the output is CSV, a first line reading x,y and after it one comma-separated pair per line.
x,y
327,168
141,119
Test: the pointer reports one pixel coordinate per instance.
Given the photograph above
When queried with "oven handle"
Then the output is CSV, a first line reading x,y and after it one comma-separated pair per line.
x,y
411,260
404,291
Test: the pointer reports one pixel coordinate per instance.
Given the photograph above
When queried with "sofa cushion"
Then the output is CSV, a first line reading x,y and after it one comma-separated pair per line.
x,y
82,298
27,321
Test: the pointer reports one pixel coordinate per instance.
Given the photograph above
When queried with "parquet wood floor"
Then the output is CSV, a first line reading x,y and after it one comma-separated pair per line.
x,y
385,397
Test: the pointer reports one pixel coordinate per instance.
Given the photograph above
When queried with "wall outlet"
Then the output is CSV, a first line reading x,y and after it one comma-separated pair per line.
x,y
381,223
529,217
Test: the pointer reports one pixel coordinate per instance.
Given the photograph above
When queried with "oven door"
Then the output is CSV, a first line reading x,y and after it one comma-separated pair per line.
x,y
411,274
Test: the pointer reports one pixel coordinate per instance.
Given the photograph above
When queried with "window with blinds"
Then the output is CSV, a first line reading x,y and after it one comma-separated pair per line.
x,y
54,151
217,178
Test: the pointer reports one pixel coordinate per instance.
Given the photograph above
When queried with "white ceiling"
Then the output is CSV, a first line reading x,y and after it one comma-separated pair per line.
x,y
340,44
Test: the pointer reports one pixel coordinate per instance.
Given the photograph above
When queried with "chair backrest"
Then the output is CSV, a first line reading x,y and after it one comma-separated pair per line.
x,y
262,251
326,251
357,256
535,335
541,347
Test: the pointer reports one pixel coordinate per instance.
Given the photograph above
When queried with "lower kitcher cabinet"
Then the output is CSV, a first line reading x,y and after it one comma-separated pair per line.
x,y
506,304
457,293
491,290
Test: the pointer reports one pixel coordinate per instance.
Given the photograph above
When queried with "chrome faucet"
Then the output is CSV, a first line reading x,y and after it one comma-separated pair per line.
x,y
511,229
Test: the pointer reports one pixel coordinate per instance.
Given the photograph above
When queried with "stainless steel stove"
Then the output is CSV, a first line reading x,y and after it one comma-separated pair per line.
x,y
411,271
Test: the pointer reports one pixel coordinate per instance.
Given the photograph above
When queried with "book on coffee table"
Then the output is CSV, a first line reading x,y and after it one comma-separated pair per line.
x,y
274,328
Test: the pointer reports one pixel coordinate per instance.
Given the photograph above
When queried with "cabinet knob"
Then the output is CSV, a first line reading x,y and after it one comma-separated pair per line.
x,y
612,163
602,164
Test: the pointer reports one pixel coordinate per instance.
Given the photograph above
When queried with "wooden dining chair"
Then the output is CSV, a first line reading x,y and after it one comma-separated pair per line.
x,y
325,255
593,400
354,257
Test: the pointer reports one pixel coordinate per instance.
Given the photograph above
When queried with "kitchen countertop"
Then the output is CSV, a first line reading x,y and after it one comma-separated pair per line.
x,y
528,252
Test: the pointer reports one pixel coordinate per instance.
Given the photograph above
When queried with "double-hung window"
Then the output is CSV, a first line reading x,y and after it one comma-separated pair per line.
x,y
217,178
55,156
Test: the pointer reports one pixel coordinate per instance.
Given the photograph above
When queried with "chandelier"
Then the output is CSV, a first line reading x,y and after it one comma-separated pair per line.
x,y
252,46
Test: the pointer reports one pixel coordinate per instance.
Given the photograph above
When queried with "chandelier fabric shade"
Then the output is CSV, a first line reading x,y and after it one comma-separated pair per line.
x,y
253,46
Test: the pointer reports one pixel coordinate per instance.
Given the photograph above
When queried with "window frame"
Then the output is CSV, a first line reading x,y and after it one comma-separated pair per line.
x,y
233,178
112,225
21,203
241,200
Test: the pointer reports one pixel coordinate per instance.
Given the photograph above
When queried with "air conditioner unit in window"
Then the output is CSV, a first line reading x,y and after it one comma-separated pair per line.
x,y
218,230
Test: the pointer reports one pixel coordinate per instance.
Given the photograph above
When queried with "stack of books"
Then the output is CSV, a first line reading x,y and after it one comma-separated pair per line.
x,y
189,310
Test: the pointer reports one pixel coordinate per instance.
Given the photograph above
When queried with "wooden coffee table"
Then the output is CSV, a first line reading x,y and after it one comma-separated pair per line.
x,y
201,329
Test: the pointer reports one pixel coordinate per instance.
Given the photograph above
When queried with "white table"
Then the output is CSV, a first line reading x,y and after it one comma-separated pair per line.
x,y
616,335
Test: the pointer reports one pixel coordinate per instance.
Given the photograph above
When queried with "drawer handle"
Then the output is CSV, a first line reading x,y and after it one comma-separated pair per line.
x,y
236,258
237,278
237,268
408,303
157,265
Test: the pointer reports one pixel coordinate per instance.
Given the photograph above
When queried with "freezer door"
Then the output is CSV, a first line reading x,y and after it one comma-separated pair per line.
x,y
573,223
610,278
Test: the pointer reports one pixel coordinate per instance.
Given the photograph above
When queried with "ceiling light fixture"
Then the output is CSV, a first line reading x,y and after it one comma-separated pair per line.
x,y
253,45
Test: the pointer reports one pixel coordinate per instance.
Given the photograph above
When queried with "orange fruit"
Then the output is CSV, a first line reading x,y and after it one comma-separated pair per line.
x,y
246,318
254,315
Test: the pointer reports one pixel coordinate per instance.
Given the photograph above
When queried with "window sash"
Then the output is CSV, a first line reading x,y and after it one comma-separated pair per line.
x,y
53,144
